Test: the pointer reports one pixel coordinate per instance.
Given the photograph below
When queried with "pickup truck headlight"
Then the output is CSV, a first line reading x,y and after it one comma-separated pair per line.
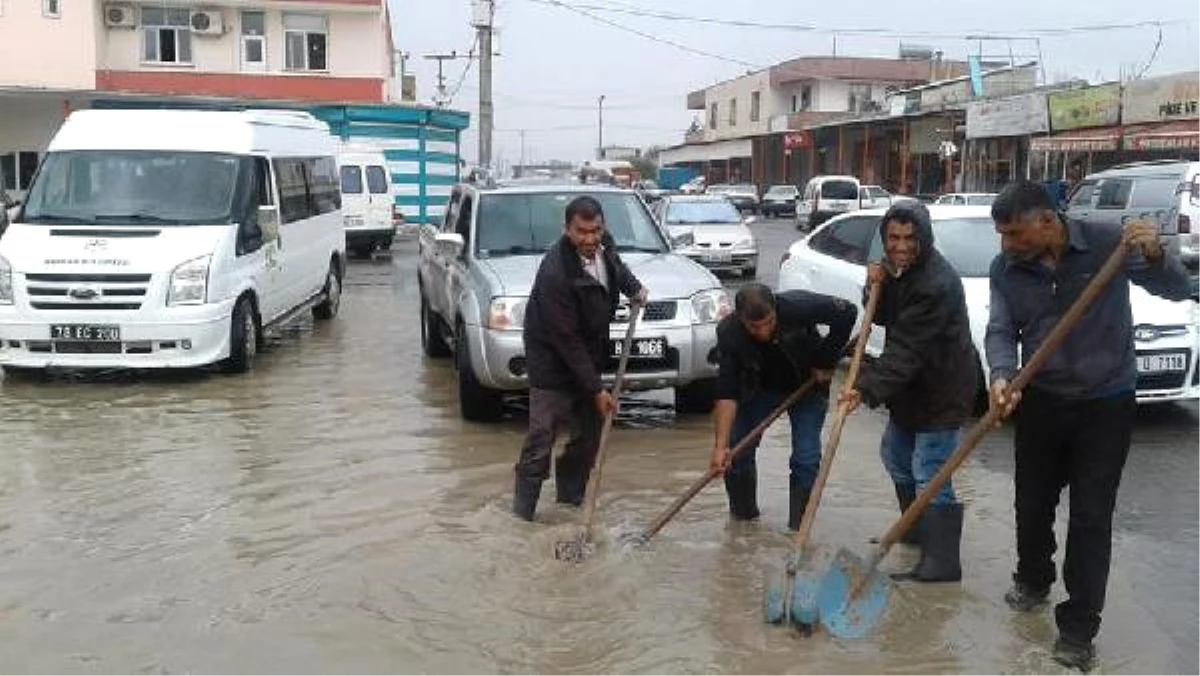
x,y
710,306
6,287
746,243
507,313
189,282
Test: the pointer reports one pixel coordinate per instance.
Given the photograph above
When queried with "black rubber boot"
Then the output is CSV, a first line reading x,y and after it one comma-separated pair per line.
x,y
525,497
905,494
742,490
941,534
798,495
570,484
1075,653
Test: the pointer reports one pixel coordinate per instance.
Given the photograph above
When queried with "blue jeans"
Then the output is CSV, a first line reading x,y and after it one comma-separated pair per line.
x,y
914,457
807,417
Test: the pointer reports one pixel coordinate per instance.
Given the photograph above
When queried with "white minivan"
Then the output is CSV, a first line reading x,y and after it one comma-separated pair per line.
x,y
368,208
171,239
825,197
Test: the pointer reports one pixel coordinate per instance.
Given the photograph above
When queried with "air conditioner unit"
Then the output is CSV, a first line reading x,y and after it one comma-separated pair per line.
x,y
120,16
207,22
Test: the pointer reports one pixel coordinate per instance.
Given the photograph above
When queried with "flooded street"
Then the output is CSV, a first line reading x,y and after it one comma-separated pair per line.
x,y
331,512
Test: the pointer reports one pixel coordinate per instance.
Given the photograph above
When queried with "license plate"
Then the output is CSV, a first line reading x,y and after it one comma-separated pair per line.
x,y
1160,363
641,348
718,257
98,333
353,221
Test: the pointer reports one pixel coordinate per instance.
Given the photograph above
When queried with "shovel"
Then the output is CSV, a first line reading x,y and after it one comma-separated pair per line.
x,y
669,513
853,594
577,548
796,599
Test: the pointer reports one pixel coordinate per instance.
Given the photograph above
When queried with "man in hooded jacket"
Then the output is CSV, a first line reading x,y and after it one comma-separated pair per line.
x,y
927,376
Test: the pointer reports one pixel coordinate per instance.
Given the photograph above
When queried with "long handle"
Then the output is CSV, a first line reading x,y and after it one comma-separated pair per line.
x,y
835,433
1058,334
593,485
669,513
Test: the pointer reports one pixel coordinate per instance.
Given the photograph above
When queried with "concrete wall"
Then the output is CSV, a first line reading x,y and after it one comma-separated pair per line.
x,y
25,35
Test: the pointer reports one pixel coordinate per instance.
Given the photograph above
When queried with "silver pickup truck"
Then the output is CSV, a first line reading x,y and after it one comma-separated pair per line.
x,y
477,267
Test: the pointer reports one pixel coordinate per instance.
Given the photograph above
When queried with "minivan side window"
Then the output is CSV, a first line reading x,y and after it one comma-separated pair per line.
x,y
377,180
324,195
308,186
1114,193
293,190
352,182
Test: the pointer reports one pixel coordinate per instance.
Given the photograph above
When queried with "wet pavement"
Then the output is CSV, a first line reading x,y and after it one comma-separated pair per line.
x,y
330,512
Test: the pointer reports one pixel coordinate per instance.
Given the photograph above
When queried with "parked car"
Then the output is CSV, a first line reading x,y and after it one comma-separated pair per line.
x,y
974,199
369,211
825,197
649,190
833,260
1163,191
744,196
183,235
874,197
780,200
476,269
709,230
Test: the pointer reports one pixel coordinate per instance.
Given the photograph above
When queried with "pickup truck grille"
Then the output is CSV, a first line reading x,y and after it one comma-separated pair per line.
x,y
659,311
86,292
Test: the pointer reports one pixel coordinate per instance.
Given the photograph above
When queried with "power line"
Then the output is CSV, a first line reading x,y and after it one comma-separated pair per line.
x,y
466,69
595,17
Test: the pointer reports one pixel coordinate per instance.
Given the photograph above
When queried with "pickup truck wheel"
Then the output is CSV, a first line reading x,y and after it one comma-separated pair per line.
x,y
328,308
433,342
696,397
243,338
476,402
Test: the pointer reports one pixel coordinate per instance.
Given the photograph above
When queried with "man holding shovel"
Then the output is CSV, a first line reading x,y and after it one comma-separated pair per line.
x,y
1075,420
927,376
768,347
574,297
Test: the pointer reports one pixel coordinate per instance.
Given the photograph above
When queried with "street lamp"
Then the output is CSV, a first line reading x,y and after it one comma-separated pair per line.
x,y
600,146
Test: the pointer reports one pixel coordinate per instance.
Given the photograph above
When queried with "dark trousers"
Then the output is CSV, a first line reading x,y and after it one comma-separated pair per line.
x,y
549,412
1081,445
806,416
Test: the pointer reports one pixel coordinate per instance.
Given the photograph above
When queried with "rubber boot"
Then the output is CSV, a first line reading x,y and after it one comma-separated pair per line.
x,y
941,535
798,495
742,490
905,494
526,492
570,484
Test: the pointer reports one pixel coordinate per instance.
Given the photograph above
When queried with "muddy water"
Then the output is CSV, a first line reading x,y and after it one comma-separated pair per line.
x,y
330,512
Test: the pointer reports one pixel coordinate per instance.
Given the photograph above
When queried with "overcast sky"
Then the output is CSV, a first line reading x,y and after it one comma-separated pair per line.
x,y
554,63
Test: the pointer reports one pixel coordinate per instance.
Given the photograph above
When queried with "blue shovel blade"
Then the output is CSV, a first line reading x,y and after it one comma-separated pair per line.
x,y
842,616
804,600
773,604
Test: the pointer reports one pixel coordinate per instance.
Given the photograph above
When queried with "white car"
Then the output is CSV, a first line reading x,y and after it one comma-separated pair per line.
x,y
832,260
974,199
874,197
711,231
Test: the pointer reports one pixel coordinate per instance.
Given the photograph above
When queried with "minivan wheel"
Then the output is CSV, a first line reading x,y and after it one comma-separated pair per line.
x,y
328,308
433,342
243,338
476,402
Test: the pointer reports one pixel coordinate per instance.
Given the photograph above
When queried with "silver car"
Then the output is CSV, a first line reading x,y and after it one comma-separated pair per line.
x,y
477,267
710,230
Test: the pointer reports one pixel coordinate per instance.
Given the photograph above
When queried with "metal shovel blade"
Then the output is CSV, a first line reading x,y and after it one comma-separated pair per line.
x,y
844,616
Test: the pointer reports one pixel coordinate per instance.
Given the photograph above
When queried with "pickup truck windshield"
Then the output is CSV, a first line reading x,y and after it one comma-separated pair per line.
x,y
511,224
134,187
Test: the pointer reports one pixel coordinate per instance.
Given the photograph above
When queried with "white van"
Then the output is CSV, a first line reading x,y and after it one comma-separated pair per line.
x,y
170,239
368,208
825,197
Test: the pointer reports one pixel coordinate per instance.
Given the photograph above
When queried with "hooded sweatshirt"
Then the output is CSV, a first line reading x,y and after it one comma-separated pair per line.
x,y
928,374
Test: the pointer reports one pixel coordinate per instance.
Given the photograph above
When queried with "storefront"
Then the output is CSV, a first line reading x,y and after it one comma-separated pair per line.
x,y
1085,133
999,133
1160,117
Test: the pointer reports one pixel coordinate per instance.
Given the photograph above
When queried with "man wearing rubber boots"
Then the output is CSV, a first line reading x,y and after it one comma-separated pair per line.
x,y
574,298
1075,419
768,347
927,376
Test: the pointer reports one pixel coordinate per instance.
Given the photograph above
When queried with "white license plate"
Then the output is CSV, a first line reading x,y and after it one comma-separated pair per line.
x,y
353,221
1161,363
718,257
641,348
88,333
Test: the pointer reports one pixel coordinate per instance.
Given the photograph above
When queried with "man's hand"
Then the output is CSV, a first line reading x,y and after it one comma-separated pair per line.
x,y
1142,236
850,398
999,398
641,296
605,403
720,460
822,375
876,274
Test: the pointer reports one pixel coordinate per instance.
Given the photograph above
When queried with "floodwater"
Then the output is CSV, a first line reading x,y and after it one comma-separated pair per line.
x,y
330,512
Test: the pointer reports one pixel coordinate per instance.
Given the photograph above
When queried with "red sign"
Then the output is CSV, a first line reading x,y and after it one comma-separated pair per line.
x,y
797,140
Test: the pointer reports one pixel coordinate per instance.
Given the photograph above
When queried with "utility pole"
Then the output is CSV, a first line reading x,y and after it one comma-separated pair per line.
x,y
600,145
522,152
484,16
440,99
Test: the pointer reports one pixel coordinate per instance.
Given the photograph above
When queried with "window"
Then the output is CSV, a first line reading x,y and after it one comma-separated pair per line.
x,y
306,37
806,97
17,170
755,106
1082,197
1114,193
262,182
166,35
323,192
450,218
860,98
51,9
377,182
1154,192
702,212
733,112
463,227
352,182
712,116
795,103
529,223
839,190
848,240
254,41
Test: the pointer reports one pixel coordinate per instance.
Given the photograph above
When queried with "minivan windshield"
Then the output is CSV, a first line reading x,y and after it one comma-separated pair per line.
x,y
134,187
512,224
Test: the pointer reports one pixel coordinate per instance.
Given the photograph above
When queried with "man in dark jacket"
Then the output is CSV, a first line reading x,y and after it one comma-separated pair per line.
x,y
574,298
927,376
1075,421
768,346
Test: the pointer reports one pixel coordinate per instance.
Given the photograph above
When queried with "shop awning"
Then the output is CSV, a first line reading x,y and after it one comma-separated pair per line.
x,y
1175,135
1094,140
